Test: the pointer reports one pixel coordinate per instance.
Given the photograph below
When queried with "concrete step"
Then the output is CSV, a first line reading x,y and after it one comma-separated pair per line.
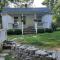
x,y
29,32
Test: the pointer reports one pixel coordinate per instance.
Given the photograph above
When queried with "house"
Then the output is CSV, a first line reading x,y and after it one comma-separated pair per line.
x,y
12,18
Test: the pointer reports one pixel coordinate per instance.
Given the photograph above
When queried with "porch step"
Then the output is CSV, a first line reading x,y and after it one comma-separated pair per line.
x,y
29,30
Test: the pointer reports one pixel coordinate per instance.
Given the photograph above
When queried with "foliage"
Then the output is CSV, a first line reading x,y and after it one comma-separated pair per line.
x,y
2,4
1,48
21,0
14,32
55,8
42,39
47,2
40,30
9,57
57,11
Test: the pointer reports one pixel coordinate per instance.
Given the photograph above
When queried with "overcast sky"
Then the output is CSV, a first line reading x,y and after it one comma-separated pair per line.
x,y
38,3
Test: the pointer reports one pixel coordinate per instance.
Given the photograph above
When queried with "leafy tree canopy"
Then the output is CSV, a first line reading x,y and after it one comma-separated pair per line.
x,y
55,7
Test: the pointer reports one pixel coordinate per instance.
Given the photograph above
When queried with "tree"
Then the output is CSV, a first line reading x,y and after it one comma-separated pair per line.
x,y
50,3
21,3
57,9
54,5
2,4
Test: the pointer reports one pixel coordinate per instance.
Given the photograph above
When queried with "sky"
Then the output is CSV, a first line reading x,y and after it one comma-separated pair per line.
x,y
38,3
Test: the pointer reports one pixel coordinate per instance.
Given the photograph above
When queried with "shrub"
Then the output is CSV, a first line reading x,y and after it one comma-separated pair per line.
x,y
48,30
10,31
8,57
40,30
18,31
54,27
14,32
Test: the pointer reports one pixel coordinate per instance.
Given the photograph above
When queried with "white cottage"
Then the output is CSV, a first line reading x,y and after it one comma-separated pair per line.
x,y
12,18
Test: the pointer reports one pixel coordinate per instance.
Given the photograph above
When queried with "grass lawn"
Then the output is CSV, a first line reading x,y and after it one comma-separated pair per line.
x,y
42,39
9,57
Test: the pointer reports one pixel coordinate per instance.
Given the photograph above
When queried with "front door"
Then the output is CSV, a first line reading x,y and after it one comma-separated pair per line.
x,y
29,20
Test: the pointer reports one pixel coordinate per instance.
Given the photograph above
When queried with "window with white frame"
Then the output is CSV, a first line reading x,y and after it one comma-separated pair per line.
x,y
39,19
15,25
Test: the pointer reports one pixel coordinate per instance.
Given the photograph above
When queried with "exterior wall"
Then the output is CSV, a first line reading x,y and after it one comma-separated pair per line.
x,y
29,21
47,20
3,35
7,21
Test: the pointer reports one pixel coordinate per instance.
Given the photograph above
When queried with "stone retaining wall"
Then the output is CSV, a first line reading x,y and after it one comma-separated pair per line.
x,y
24,52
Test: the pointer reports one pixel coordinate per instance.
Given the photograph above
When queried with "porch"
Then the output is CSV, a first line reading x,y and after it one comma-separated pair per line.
x,y
30,22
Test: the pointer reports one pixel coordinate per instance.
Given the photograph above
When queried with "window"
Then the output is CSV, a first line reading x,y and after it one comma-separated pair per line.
x,y
15,19
39,19
15,25
24,21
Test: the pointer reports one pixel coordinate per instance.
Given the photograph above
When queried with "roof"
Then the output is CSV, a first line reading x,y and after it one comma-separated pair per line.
x,y
25,10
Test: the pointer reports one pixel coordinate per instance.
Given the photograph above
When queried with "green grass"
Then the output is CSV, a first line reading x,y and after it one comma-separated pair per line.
x,y
42,39
8,57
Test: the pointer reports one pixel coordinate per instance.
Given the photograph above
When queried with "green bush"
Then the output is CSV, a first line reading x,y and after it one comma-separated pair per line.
x,y
45,30
48,30
40,30
9,57
14,32
54,26
1,49
18,31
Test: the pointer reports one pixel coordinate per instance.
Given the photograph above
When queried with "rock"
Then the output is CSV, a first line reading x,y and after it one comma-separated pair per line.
x,y
40,52
31,50
28,58
26,52
23,47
